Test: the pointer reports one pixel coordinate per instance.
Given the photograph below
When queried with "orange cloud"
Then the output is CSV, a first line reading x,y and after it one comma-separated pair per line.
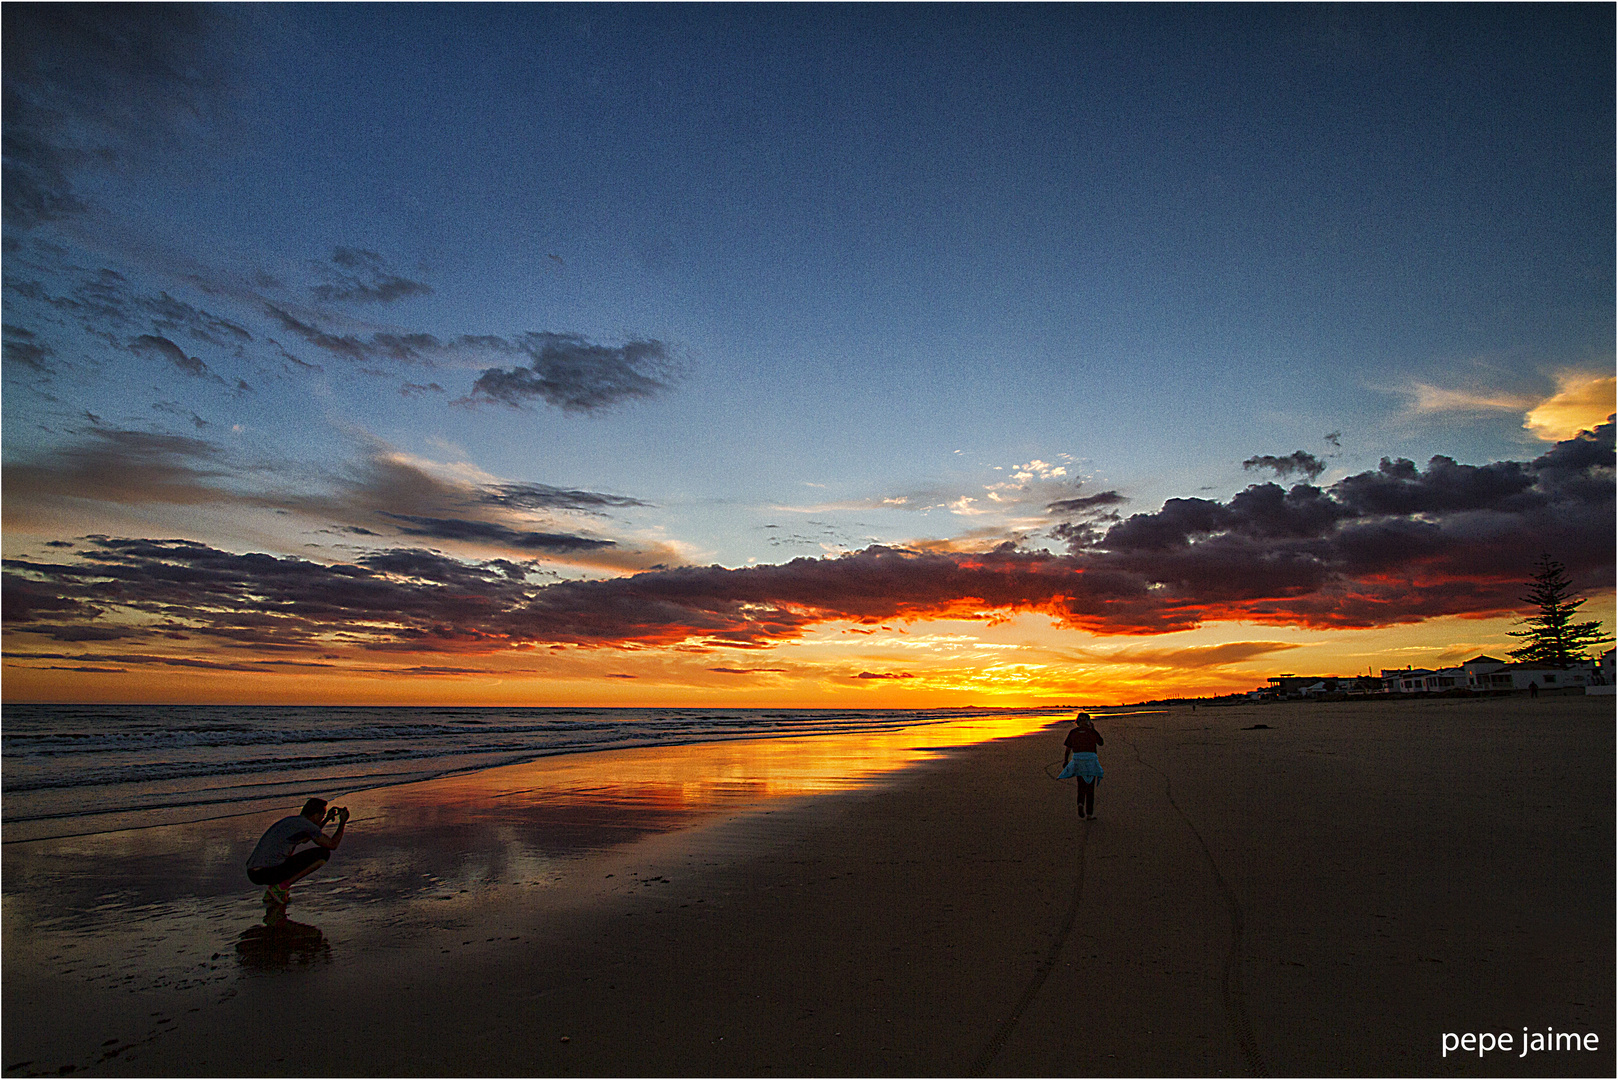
x,y
1582,400
1397,545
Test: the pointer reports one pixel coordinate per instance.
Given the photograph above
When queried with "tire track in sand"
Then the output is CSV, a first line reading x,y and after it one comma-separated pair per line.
x,y
1230,981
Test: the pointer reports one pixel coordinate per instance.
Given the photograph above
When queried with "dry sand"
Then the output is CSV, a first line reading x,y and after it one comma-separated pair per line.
x,y
1325,896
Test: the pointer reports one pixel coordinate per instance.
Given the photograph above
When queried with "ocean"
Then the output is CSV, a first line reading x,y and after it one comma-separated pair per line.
x,y
79,769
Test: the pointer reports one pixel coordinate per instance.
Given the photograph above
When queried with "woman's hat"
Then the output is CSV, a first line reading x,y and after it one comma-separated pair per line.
x,y
1081,718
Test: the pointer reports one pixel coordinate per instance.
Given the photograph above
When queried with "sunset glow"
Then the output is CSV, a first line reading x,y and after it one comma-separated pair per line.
x,y
575,382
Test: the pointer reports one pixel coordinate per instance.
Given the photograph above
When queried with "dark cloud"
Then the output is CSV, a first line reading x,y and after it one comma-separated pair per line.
x,y
565,370
1398,487
1298,462
1078,535
384,494
174,408
124,467
408,348
544,497
1086,504
93,86
24,347
173,316
744,670
465,529
161,348
1397,545
578,375
102,303
884,675
355,275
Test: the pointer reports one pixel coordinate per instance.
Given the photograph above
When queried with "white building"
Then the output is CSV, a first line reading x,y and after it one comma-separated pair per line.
x,y
1408,681
1531,676
1486,673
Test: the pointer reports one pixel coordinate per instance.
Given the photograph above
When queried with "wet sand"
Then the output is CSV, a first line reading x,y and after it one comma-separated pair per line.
x,y
1327,895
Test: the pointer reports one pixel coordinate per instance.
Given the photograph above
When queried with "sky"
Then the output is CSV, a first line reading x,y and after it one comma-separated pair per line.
x,y
795,356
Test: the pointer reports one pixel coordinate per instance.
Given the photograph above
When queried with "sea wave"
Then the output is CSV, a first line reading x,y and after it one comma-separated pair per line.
x,y
71,760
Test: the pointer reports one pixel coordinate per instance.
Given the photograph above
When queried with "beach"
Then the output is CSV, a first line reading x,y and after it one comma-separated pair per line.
x,y
1315,889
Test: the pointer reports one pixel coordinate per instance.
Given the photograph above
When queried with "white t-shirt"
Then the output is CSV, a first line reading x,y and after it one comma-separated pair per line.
x,y
280,840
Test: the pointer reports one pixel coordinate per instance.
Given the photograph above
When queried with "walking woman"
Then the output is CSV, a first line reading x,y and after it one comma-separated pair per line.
x,y
1079,760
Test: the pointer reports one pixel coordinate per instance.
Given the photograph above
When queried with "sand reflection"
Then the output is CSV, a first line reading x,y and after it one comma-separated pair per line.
x,y
162,907
591,800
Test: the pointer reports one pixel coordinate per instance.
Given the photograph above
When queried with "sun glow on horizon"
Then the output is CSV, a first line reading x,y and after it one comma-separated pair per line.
x,y
1015,662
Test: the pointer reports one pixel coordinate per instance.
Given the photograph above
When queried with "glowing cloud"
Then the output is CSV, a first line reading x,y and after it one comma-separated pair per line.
x,y
1437,399
1582,400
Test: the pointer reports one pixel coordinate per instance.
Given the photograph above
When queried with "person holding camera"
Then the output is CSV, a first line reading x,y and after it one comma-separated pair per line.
x,y
276,861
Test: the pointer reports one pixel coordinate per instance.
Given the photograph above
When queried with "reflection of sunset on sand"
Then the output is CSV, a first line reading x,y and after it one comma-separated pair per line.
x,y
698,778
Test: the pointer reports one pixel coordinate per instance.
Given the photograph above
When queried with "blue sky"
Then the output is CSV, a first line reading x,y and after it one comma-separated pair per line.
x,y
812,278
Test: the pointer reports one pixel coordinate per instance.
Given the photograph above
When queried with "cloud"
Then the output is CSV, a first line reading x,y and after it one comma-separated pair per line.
x,y
407,348
1298,462
1395,545
384,493
1425,398
885,675
355,275
1086,504
564,370
121,467
174,408
464,529
578,375
544,497
171,316
1199,656
1581,401
161,348
22,346
96,86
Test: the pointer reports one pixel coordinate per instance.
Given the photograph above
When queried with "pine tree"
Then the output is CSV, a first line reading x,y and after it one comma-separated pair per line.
x,y
1552,637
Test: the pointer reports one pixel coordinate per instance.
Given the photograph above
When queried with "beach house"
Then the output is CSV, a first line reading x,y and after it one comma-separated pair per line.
x,y
1542,677
1485,673
1411,680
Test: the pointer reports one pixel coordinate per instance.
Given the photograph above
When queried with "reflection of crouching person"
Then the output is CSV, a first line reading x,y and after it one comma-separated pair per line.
x,y
274,863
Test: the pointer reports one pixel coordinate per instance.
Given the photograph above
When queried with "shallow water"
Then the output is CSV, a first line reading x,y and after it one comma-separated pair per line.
x,y
168,906
71,769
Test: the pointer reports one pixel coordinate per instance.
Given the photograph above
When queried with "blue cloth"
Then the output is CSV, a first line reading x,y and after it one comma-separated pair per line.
x,y
1084,765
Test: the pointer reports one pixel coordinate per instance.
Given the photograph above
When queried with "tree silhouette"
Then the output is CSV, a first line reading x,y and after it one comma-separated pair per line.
x,y
1552,637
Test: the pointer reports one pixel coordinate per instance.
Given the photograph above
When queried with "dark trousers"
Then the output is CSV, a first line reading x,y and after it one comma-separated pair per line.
x,y
1087,796
274,875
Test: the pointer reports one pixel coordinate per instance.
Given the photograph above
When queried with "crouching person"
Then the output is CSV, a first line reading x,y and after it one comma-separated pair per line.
x,y
278,864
